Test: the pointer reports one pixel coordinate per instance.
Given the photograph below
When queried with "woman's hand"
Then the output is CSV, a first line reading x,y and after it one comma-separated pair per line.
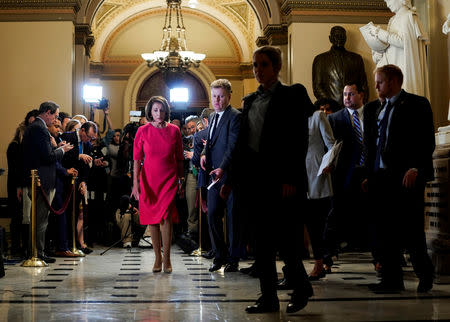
x,y
135,192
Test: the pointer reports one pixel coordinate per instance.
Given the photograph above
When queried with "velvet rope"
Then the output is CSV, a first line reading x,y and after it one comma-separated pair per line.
x,y
65,204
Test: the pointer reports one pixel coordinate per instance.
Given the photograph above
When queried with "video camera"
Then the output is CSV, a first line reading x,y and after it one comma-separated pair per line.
x,y
103,104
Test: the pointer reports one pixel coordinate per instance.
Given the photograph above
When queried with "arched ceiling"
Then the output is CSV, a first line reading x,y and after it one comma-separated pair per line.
x,y
225,30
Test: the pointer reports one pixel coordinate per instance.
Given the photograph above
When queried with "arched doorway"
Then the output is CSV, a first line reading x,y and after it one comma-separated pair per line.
x,y
155,84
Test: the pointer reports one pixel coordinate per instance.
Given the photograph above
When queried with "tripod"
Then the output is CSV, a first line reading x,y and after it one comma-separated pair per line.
x,y
127,234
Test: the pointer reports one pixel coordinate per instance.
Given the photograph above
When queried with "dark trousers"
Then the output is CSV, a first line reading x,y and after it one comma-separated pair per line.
x,y
18,238
42,213
285,224
216,209
398,218
347,214
61,222
315,219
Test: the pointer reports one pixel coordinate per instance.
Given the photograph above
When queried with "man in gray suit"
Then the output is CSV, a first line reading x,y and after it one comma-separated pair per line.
x,y
41,154
223,129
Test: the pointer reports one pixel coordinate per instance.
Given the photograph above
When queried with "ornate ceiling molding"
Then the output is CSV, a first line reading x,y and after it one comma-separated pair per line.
x,y
338,5
83,36
274,35
39,10
229,36
338,11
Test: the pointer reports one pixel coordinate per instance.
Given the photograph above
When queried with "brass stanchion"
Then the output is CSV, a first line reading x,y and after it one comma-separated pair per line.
x,y
199,251
34,261
74,249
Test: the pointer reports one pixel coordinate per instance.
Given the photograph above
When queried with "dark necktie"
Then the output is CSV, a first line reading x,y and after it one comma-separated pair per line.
x,y
216,119
358,136
382,127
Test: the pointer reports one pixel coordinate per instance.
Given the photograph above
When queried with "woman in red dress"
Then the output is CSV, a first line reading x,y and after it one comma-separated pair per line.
x,y
158,171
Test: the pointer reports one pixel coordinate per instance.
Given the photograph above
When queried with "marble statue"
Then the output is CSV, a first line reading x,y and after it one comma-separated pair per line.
x,y
333,69
446,26
404,44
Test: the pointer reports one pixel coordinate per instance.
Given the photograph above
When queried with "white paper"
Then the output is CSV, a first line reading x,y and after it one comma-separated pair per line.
x,y
212,184
330,157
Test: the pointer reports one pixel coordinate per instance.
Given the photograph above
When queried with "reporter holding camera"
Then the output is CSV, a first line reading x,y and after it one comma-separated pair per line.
x,y
156,179
126,214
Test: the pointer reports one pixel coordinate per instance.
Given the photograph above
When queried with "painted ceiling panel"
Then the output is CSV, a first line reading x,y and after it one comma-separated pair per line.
x,y
145,36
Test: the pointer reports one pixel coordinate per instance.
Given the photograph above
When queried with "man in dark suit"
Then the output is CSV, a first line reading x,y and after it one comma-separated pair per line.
x,y
39,154
222,132
400,142
270,180
348,200
80,158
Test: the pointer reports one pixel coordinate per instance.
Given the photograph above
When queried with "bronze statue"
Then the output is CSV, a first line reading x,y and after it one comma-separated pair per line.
x,y
333,69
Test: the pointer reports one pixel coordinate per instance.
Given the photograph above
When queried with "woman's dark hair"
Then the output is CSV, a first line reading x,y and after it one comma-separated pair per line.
x,y
157,99
32,113
334,106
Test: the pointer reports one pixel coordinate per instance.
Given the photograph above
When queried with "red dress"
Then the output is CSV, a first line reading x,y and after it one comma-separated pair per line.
x,y
161,149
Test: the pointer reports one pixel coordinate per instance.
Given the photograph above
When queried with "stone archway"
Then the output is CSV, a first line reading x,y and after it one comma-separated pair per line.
x,y
136,80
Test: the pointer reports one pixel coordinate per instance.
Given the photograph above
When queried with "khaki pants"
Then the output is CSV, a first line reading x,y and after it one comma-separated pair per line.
x,y
124,221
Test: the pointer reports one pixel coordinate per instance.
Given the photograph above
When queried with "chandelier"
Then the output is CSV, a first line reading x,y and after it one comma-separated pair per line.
x,y
173,56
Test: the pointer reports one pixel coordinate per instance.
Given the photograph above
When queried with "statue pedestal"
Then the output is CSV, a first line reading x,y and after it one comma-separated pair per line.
x,y
443,135
437,216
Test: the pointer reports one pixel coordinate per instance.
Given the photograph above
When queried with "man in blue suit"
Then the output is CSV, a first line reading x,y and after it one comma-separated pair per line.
x,y
349,200
40,155
223,130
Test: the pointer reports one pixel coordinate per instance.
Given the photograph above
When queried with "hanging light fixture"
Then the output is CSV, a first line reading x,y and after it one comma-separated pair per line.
x,y
173,56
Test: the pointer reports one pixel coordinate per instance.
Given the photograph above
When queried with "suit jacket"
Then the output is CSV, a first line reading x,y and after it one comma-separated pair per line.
x,y
410,142
39,154
350,152
285,129
219,148
71,158
321,139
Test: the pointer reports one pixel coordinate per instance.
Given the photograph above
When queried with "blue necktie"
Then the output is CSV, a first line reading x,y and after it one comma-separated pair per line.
x,y
358,135
382,127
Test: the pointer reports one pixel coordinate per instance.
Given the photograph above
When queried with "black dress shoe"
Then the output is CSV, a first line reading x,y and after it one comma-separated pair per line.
x,y
86,250
283,284
387,288
215,266
231,267
209,255
317,277
246,270
425,285
48,260
263,306
296,303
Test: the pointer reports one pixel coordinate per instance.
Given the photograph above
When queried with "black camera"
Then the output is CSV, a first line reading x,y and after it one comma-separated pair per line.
x,y
103,104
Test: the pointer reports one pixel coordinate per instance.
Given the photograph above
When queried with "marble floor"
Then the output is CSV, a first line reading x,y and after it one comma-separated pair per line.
x,y
120,286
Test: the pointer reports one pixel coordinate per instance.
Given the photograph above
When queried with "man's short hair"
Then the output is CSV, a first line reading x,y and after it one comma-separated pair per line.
x,y
48,106
88,125
391,72
222,83
206,112
273,53
358,86
192,118
62,116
